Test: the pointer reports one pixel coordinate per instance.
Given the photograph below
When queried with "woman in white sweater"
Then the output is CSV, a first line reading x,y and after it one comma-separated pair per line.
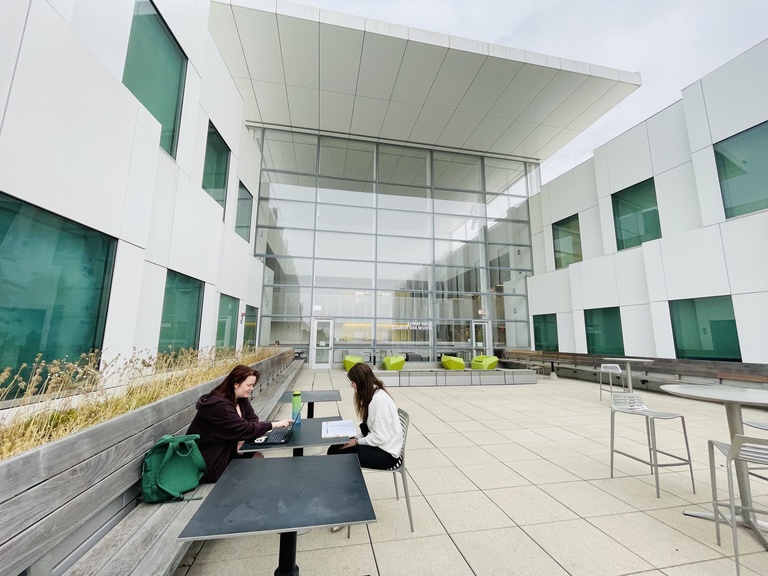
x,y
381,442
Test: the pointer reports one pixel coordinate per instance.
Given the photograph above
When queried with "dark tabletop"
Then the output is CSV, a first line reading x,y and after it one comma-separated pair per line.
x,y
258,496
312,396
308,433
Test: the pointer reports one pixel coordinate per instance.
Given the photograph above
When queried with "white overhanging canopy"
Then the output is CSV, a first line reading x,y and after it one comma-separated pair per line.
x,y
305,68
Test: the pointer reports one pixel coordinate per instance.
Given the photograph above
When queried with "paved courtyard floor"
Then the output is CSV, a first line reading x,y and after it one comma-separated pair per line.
x,y
515,480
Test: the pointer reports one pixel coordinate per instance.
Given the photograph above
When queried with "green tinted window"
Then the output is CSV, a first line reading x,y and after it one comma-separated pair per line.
x,y
705,328
154,71
545,332
244,212
636,215
54,285
604,334
182,305
567,240
215,168
251,318
742,166
226,330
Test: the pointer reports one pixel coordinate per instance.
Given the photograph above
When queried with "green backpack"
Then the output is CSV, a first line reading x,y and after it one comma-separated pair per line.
x,y
172,466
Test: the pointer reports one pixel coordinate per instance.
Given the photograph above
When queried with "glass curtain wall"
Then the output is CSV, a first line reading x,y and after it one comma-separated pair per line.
x,y
403,247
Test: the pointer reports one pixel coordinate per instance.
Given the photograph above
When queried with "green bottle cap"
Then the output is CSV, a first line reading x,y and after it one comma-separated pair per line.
x,y
297,392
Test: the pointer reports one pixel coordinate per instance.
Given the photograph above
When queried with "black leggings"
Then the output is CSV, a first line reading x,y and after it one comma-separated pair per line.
x,y
368,456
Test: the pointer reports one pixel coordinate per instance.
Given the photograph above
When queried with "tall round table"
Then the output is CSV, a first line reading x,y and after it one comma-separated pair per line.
x,y
733,398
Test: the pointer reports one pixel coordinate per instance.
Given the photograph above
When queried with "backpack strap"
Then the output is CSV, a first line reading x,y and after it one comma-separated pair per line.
x,y
197,458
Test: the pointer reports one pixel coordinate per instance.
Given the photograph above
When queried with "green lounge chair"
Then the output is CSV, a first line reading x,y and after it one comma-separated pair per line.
x,y
350,361
452,363
393,362
484,362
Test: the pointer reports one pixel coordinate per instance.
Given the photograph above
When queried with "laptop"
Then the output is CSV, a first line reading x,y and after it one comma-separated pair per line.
x,y
278,435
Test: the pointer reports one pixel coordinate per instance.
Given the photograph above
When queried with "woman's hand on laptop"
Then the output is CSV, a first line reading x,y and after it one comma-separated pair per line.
x,y
281,423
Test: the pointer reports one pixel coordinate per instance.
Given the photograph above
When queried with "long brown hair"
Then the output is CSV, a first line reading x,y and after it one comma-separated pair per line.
x,y
240,373
366,385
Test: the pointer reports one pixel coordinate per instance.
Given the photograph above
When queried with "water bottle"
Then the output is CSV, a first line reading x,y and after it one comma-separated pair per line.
x,y
295,404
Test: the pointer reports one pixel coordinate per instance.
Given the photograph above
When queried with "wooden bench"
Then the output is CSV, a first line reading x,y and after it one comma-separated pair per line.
x,y
145,541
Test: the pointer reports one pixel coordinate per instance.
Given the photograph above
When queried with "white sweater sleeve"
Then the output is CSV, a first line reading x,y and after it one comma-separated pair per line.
x,y
384,427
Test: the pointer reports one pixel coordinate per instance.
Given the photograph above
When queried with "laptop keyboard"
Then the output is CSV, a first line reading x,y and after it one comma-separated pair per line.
x,y
277,435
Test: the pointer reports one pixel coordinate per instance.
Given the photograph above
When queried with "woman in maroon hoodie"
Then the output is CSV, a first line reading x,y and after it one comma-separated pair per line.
x,y
225,419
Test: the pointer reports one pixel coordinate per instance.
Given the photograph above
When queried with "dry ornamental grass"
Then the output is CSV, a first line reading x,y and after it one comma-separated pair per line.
x,y
58,398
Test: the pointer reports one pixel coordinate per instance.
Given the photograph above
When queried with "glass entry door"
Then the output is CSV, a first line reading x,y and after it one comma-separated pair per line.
x,y
321,344
481,345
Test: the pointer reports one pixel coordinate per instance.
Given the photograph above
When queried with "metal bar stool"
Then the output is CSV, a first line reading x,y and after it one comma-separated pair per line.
x,y
610,369
631,403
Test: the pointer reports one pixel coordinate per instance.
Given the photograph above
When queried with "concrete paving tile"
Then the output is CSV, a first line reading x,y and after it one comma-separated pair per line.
x,y
511,452
441,481
468,455
583,550
542,472
430,556
392,521
507,552
427,458
529,505
585,499
468,511
493,475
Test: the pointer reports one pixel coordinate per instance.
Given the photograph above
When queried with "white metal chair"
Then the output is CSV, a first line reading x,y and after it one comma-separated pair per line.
x,y
747,450
405,421
631,403
610,369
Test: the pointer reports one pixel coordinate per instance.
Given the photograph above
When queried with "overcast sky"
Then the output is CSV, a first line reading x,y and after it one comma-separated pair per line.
x,y
671,43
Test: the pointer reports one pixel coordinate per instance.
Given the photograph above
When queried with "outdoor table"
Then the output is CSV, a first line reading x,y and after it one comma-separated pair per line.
x,y
308,433
628,368
283,495
310,397
733,398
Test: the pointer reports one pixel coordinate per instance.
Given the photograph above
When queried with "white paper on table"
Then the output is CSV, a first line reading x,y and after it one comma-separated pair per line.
x,y
339,429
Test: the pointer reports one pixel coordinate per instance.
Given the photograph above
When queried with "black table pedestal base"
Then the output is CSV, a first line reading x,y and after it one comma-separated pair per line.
x,y
287,562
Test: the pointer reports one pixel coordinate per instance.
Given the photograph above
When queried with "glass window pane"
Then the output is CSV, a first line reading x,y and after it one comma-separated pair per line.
x,y
508,207
545,332
291,271
155,68
289,151
286,300
250,328
409,250
504,256
287,331
404,198
402,277
457,279
635,215
403,305
511,334
458,305
284,241
455,253
742,167
343,274
54,285
459,203
341,302
506,306
344,246
405,332
283,213
453,332
509,232
348,192
567,241
215,167
402,165
344,158
182,310
226,329
458,228
505,176
345,218
604,335
352,331
244,213
287,186
457,171
508,281
705,329
399,223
